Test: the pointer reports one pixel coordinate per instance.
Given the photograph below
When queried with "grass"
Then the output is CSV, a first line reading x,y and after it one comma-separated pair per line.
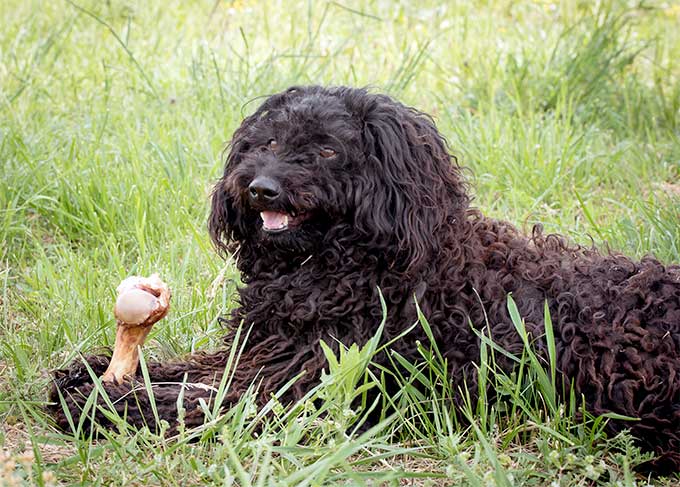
x,y
113,118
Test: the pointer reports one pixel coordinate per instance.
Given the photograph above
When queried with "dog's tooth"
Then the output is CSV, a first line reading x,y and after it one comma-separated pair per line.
x,y
284,223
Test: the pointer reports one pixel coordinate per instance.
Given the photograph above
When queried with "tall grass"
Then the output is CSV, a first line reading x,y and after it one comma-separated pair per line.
x,y
113,119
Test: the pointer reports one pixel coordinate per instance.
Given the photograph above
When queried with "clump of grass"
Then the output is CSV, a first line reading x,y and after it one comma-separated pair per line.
x,y
516,427
330,435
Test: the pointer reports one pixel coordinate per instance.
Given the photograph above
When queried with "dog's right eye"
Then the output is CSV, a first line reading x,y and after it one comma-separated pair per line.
x,y
327,153
271,145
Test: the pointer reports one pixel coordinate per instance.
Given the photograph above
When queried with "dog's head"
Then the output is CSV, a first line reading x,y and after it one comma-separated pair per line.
x,y
313,160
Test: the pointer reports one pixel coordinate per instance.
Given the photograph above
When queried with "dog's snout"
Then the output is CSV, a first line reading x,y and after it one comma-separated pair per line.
x,y
264,189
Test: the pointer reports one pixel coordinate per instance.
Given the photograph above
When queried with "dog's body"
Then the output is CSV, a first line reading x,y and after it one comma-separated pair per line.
x,y
330,194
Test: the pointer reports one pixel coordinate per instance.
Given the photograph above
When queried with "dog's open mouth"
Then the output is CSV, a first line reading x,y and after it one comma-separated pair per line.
x,y
276,221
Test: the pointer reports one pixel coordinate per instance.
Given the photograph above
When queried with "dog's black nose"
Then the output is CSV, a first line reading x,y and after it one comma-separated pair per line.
x,y
264,189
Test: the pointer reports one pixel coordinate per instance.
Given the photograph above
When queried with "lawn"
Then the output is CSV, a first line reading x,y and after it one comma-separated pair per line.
x,y
113,121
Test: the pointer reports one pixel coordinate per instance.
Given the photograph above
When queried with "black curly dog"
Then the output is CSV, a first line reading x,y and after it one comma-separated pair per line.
x,y
331,193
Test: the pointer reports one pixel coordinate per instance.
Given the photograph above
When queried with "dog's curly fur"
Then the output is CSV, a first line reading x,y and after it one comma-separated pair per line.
x,y
387,207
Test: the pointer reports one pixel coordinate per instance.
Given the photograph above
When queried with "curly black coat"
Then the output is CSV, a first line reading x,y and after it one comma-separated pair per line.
x,y
331,193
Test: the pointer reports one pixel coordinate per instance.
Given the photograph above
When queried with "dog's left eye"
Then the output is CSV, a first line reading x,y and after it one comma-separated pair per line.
x,y
327,153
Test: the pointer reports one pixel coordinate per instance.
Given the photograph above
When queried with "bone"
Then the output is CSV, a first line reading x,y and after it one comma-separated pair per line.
x,y
141,302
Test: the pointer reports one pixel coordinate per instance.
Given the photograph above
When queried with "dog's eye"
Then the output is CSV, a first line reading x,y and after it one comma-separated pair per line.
x,y
327,153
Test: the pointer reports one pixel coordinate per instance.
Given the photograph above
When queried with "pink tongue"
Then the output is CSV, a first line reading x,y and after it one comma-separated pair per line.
x,y
273,220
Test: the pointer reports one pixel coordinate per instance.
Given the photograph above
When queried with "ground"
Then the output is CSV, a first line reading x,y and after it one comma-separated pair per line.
x,y
113,121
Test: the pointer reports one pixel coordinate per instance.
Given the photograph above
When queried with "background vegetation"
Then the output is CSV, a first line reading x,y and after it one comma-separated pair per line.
x,y
113,118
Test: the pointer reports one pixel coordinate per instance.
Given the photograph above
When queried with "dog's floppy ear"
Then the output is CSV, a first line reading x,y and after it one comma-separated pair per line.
x,y
410,185
226,222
